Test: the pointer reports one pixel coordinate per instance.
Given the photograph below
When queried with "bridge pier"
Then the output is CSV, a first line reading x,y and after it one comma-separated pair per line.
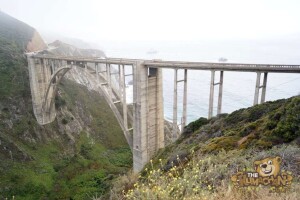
x,y
175,112
123,94
148,123
108,78
184,106
258,87
175,133
97,72
264,88
211,95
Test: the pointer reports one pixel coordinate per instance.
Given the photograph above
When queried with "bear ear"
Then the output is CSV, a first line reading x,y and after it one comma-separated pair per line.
x,y
256,163
278,159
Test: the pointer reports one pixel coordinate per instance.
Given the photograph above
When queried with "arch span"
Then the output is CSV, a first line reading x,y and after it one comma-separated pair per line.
x,y
144,131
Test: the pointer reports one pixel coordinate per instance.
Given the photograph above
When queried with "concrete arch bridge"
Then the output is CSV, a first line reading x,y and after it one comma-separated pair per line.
x,y
144,129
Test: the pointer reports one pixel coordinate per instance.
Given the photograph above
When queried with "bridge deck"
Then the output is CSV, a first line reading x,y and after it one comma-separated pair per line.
x,y
185,65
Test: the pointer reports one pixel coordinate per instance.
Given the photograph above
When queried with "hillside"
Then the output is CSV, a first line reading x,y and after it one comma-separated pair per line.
x,y
200,164
76,156
60,48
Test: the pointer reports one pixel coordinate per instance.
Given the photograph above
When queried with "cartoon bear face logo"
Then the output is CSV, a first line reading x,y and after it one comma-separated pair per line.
x,y
268,166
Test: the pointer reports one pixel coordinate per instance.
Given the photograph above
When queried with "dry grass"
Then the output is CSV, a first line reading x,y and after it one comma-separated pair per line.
x,y
206,177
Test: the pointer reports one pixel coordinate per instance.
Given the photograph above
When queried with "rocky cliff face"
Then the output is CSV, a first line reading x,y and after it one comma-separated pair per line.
x,y
36,43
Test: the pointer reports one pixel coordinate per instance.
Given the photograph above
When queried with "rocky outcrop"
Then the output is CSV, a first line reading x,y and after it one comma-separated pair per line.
x,y
36,43
63,49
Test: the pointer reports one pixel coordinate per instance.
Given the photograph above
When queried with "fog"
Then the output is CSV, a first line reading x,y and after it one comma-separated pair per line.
x,y
119,20
245,31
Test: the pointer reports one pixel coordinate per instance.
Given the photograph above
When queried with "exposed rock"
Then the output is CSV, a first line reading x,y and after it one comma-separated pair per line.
x,y
168,131
36,43
63,49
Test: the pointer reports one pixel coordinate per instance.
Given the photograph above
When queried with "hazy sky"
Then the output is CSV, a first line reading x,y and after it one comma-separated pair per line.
x,y
159,19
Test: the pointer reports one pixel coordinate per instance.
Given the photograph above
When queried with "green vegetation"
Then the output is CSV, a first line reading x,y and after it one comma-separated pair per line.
x,y
207,177
75,157
200,163
57,176
14,36
59,168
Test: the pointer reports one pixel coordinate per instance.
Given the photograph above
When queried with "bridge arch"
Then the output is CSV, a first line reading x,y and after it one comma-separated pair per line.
x,y
52,86
146,134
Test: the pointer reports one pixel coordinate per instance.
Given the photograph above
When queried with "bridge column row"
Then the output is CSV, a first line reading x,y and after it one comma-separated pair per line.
x,y
211,96
122,90
114,96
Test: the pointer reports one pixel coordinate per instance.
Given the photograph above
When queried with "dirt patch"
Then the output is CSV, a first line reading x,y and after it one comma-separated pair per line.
x,y
241,141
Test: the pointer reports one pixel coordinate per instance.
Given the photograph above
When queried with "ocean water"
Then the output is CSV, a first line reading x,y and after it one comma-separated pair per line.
x,y
238,88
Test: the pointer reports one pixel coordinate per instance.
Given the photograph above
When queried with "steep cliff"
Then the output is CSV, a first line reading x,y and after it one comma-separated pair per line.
x,y
77,155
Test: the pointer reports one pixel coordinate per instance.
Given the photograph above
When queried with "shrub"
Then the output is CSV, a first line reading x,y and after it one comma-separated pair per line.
x,y
59,102
64,121
219,143
236,117
248,129
195,125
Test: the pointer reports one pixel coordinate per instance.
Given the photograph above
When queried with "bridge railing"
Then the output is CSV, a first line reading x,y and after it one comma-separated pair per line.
x,y
183,64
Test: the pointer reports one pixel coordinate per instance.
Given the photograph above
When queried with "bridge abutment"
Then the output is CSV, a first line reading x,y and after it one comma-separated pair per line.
x,y
40,76
44,78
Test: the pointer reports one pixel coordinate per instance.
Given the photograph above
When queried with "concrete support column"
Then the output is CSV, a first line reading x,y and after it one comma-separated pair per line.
x,y
108,79
140,154
160,119
58,67
184,106
97,72
123,92
211,96
220,93
120,81
257,86
148,119
52,67
45,77
264,88
175,127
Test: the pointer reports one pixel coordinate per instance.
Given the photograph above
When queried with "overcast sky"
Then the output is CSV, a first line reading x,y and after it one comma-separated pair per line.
x,y
159,19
